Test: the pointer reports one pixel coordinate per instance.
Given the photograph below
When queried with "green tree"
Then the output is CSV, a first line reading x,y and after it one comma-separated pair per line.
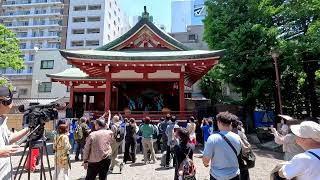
x,y
10,55
245,29
300,31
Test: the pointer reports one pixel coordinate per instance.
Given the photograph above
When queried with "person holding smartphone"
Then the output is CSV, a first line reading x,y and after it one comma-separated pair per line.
x,y
290,147
7,138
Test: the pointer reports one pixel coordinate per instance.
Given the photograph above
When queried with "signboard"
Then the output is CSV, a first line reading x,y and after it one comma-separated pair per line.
x,y
199,10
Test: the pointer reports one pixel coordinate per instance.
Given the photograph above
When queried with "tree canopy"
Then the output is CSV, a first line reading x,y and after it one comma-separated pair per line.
x,y
249,30
10,55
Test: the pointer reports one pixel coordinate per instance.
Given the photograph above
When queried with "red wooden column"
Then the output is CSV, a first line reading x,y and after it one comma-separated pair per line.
x,y
71,100
107,96
181,89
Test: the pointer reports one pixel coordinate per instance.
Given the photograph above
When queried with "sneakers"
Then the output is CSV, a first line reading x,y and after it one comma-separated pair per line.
x,y
121,167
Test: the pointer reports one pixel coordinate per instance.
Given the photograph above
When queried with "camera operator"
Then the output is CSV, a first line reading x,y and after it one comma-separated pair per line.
x,y
7,138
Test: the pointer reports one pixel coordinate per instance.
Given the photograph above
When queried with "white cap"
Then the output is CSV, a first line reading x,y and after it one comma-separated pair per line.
x,y
307,129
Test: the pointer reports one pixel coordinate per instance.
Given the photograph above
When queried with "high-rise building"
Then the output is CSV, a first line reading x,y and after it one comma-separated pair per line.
x,y
94,23
38,24
90,24
185,13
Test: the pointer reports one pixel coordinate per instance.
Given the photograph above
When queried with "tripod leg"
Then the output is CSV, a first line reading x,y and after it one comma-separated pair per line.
x,y
46,151
42,170
29,157
24,165
21,159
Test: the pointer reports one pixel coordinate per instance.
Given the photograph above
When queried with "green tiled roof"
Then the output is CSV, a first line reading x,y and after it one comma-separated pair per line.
x,y
134,29
73,74
141,55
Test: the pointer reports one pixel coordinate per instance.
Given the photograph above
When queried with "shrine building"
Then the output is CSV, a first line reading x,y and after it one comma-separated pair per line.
x,y
144,70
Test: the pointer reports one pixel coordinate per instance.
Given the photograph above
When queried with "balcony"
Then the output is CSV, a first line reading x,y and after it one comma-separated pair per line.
x,y
27,15
29,25
11,72
30,3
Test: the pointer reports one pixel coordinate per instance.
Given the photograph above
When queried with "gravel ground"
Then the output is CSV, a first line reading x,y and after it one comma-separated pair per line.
x,y
265,162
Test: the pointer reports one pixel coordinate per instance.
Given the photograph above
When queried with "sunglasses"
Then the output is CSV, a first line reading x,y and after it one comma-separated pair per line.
x,y
6,101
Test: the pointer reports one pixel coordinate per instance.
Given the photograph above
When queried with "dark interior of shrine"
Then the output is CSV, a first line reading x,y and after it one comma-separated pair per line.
x,y
145,96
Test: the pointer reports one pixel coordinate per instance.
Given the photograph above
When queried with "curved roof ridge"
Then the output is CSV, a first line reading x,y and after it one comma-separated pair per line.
x,y
143,21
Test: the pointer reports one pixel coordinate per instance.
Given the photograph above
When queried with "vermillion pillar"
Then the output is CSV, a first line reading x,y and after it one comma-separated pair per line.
x,y
181,91
107,97
71,100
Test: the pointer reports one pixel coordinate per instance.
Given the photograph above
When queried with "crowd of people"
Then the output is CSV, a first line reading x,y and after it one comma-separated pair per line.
x,y
226,149
225,146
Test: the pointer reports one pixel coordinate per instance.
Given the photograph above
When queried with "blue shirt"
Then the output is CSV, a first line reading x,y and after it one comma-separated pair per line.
x,y
224,162
73,127
207,131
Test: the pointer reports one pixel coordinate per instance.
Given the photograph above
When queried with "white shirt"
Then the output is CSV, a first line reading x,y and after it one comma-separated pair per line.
x,y
303,166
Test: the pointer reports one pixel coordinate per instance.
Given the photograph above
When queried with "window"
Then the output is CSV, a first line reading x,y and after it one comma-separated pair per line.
x,y
94,7
114,23
109,37
23,92
54,33
110,4
44,87
37,33
23,45
192,37
79,8
22,34
31,57
93,31
92,43
79,19
39,22
109,15
77,43
40,11
94,19
68,88
78,31
55,45
115,13
29,70
47,64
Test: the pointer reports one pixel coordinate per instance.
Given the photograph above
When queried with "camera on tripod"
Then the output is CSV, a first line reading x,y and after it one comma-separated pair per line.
x,y
36,117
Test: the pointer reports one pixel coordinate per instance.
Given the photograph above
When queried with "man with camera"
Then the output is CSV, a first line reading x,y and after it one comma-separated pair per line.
x,y
7,138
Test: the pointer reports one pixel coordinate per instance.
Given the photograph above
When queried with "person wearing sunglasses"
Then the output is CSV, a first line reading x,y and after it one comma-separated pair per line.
x,y
7,138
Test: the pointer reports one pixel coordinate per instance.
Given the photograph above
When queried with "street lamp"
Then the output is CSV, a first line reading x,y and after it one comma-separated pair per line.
x,y
275,56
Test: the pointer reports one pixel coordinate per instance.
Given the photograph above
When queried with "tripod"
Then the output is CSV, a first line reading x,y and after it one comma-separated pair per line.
x,y
42,146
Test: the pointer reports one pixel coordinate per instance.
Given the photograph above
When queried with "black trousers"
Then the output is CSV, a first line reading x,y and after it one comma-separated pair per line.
x,y
130,144
80,146
168,155
235,178
244,175
159,142
100,168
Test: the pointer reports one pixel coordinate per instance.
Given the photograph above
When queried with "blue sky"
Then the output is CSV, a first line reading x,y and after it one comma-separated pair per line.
x,y
159,9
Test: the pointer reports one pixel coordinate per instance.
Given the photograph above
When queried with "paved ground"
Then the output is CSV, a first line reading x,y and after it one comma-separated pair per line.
x,y
266,160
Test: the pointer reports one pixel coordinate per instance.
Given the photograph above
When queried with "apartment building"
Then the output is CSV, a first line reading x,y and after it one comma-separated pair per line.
x,y
90,24
94,23
38,24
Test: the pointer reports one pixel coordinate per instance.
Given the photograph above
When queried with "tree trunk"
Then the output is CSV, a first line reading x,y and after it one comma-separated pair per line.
x,y
310,68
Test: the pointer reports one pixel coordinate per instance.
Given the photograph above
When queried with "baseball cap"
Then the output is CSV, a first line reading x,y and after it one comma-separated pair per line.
x,y
307,129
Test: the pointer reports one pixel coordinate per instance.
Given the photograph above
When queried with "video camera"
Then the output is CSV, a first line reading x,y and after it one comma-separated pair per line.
x,y
36,117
